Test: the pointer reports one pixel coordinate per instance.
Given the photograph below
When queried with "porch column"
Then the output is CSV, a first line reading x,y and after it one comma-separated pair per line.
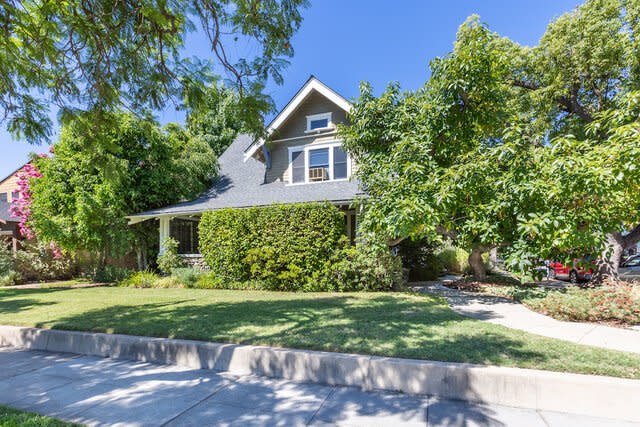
x,y
164,231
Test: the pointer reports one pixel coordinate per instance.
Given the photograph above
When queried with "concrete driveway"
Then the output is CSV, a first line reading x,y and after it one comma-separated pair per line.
x,y
98,391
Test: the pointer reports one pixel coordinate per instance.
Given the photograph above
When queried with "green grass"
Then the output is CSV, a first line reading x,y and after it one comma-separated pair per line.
x,y
419,326
10,417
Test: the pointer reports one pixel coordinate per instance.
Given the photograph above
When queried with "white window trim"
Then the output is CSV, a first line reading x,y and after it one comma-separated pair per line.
x,y
320,116
306,148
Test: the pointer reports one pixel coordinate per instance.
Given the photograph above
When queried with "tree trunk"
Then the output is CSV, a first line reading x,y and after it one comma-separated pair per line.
x,y
609,259
477,264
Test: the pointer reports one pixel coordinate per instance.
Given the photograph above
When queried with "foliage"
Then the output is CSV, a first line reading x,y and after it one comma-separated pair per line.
x,y
280,245
140,279
187,276
419,256
129,55
505,145
169,259
6,260
10,417
365,267
454,260
407,325
218,119
11,278
83,196
619,304
38,261
109,274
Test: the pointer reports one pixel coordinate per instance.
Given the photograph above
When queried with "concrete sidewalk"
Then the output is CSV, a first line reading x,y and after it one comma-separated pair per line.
x,y
506,312
99,391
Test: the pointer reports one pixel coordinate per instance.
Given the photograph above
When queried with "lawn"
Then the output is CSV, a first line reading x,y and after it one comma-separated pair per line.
x,y
10,417
419,326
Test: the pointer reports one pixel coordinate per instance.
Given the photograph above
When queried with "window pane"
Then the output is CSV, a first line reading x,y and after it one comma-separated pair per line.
x,y
318,158
297,166
3,197
186,234
319,164
319,124
339,163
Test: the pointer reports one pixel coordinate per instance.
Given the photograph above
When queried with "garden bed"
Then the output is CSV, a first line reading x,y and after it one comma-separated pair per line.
x,y
607,304
407,325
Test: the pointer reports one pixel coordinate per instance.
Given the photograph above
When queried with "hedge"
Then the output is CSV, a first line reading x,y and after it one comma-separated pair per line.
x,y
282,245
293,247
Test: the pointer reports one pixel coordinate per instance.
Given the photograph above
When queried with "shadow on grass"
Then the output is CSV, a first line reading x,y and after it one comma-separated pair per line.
x,y
387,325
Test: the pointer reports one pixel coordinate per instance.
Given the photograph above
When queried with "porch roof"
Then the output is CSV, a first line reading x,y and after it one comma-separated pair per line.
x,y
241,184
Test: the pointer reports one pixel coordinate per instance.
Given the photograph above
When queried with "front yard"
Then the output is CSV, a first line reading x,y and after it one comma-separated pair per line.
x,y
419,326
608,304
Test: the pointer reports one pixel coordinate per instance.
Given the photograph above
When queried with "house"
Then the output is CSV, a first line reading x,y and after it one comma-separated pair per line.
x,y
303,161
9,230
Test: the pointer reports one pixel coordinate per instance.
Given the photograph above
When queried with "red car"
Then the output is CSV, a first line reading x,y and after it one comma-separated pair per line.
x,y
574,273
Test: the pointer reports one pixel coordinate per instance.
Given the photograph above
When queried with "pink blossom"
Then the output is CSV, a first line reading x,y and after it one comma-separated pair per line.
x,y
20,206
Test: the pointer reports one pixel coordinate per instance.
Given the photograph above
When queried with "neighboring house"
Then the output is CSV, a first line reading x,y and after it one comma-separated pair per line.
x,y
9,231
9,186
303,162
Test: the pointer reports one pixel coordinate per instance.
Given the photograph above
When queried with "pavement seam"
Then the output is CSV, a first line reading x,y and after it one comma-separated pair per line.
x,y
544,420
586,333
333,389
200,401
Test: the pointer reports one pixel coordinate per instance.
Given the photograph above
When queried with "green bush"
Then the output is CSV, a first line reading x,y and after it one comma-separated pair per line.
x,y
188,276
281,246
11,278
365,267
454,260
169,259
419,256
110,274
140,279
6,261
36,261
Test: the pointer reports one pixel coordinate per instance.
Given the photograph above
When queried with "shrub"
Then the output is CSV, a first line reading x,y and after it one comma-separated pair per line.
x,y
37,261
6,261
454,260
110,274
281,246
140,279
420,258
188,276
620,304
11,278
365,267
170,259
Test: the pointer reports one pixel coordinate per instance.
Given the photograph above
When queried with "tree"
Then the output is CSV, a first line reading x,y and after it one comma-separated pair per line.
x,y
512,146
101,56
418,152
218,119
82,206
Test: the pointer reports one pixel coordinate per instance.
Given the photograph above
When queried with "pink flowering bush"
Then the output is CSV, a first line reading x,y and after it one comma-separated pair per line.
x,y
21,208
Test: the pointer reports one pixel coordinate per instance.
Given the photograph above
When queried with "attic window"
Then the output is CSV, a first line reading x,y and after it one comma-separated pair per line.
x,y
319,122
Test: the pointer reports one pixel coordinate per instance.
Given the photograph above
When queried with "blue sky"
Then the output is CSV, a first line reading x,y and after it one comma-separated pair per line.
x,y
343,42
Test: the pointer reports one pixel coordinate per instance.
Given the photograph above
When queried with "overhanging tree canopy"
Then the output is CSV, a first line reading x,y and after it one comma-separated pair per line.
x,y
100,56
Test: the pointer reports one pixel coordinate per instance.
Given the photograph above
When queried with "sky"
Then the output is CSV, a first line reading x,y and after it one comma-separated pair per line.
x,y
343,42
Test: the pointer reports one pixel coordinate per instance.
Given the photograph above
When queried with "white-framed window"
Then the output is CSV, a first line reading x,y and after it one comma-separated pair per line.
x,y
318,163
319,122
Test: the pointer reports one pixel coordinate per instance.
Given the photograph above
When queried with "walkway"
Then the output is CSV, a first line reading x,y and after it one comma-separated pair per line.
x,y
96,391
506,312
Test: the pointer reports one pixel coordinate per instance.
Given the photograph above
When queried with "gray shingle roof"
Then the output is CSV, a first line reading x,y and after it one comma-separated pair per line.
x,y
242,184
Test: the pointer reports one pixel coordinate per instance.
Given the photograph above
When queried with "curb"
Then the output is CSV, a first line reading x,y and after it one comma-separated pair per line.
x,y
590,395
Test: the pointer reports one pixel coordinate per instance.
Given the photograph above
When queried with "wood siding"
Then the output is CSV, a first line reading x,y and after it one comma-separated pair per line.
x,y
10,184
295,127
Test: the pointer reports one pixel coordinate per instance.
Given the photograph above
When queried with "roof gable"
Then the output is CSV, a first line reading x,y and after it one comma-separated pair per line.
x,y
312,85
